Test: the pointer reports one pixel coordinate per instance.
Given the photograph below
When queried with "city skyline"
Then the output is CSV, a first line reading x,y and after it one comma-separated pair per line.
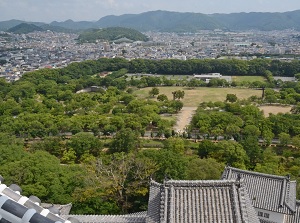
x,y
92,10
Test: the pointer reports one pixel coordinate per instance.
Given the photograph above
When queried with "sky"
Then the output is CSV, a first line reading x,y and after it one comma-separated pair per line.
x,y
93,10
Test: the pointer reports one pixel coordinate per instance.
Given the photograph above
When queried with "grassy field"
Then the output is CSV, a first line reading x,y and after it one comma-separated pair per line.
x,y
194,96
267,109
248,78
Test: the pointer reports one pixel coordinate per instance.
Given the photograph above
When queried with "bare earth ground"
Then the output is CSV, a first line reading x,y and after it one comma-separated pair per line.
x,y
267,109
184,117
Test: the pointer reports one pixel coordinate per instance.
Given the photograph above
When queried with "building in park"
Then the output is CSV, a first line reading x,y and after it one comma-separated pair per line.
x,y
273,197
199,201
208,77
239,197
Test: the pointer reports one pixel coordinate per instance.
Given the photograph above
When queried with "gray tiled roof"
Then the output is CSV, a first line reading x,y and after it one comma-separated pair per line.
x,y
200,201
294,218
154,204
64,209
266,221
269,192
129,218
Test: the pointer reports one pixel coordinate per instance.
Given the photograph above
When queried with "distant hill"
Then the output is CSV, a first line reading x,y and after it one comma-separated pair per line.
x,y
182,22
6,25
190,22
162,21
260,21
24,28
111,34
70,24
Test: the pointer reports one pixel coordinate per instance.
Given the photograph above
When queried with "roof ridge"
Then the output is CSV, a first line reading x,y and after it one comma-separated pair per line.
x,y
237,206
241,197
202,182
115,215
257,173
288,195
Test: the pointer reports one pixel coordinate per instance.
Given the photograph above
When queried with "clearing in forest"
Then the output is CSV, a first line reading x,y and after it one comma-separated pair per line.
x,y
274,109
194,96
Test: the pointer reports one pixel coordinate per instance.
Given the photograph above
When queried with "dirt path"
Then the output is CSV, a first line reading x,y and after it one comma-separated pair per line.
x,y
184,117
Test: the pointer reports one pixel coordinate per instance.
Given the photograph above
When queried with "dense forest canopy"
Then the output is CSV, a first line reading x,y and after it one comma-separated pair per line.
x,y
256,67
111,142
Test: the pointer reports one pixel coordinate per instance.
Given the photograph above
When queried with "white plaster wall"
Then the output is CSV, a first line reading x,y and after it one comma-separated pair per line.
x,y
273,216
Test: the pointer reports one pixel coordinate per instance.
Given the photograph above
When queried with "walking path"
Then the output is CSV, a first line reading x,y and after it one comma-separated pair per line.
x,y
184,118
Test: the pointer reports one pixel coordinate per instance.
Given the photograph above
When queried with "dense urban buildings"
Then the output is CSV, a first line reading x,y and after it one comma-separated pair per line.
x,y
20,53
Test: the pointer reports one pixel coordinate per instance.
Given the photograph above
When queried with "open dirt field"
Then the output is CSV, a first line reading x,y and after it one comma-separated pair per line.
x,y
267,109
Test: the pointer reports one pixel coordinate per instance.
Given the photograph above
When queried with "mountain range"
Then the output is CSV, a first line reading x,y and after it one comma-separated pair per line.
x,y
166,21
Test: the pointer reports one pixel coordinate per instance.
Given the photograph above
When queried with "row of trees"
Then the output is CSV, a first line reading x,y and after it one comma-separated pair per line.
x,y
257,67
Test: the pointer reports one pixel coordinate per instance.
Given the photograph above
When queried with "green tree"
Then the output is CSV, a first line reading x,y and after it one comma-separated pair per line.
x,y
11,149
53,145
231,98
270,163
232,153
204,169
124,176
162,97
268,136
125,140
232,130
284,138
41,174
296,141
174,166
176,105
178,94
174,144
206,147
85,142
69,156
154,91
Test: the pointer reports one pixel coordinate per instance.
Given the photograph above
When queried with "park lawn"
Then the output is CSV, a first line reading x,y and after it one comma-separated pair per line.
x,y
273,109
194,96
248,78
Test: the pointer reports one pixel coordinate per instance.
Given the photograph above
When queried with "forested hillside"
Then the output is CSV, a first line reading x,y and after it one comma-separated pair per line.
x,y
111,34
24,28
99,148
166,21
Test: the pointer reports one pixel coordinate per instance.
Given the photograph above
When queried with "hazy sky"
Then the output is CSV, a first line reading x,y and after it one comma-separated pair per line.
x,y
89,10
